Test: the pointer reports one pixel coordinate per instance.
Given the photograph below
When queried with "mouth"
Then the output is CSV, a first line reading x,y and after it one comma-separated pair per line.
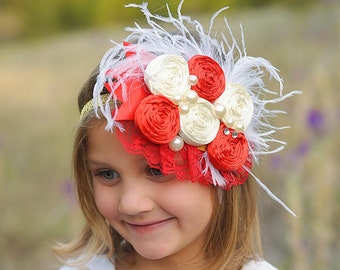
x,y
148,227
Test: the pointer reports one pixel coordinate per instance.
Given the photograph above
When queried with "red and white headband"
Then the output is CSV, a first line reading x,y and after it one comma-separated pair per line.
x,y
192,104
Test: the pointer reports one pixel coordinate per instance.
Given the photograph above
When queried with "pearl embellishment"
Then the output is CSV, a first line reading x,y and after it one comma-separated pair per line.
x,y
230,121
193,80
239,127
176,144
192,97
220,110
184,108
177,99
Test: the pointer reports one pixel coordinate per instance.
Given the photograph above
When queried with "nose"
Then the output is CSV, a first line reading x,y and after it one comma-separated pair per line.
x,y
135,199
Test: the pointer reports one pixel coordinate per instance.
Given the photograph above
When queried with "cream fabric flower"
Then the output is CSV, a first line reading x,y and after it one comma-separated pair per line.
x,y
167,75
199,125
239,107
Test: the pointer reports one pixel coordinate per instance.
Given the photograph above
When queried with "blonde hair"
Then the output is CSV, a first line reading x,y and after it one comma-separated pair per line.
x,y
233,237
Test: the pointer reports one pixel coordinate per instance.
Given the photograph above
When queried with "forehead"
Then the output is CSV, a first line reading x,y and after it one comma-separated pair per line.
x,y
105,146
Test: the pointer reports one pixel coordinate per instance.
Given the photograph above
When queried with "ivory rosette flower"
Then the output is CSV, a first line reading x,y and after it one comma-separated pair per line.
x,y
199,125
167,75
239,107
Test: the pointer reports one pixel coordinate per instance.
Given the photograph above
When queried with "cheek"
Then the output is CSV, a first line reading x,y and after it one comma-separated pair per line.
x,y
105,200
190,200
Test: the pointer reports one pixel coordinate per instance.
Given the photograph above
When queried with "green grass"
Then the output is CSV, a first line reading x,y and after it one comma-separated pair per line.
x,y
39,82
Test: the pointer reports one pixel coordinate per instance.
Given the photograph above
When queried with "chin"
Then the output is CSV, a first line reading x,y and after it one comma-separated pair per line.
x,y
156,253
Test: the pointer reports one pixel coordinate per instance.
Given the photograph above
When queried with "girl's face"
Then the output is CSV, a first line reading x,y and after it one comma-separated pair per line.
x,y
160,216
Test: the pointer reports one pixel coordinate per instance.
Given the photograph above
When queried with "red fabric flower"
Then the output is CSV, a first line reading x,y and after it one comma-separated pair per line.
x,y
211,79
226,152
238,177
157,117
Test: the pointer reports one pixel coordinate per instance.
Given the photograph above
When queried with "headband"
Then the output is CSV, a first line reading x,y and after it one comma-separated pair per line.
x,y
193,104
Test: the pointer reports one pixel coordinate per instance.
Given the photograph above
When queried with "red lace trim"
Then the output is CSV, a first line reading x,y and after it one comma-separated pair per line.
x,y
186,164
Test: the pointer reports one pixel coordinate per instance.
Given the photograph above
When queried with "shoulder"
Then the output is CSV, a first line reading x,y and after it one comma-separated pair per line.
x,y
258,265
97,263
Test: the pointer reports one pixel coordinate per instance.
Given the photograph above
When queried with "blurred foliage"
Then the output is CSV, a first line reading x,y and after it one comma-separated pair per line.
x,y
26,18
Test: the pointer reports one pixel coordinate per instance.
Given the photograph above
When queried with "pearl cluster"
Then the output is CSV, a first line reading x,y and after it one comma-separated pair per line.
x,y
184,102
191,96
200,115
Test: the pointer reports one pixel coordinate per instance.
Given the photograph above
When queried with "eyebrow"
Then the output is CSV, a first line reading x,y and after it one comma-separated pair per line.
x,y
140,158
96,162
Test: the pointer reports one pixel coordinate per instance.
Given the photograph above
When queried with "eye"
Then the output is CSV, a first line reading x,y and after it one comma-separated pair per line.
x,y
156,175
155,172
107,175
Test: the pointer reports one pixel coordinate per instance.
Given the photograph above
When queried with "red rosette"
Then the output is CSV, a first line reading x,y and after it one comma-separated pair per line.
x,y
158,119
228,152
239,176
211,79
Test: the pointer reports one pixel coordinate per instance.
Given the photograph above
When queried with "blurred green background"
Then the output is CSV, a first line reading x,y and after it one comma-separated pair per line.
x,y
47,50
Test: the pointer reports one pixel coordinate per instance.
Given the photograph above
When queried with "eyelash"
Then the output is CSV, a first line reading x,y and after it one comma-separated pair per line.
x,y
154,172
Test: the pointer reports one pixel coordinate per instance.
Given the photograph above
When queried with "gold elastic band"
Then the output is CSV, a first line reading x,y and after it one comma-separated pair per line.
x,y
89,106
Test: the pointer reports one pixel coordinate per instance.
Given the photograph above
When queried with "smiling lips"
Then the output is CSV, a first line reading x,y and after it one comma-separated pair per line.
x,y
147,227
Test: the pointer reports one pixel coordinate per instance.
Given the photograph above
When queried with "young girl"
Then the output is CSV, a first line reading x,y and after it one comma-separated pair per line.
x,y
171,123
